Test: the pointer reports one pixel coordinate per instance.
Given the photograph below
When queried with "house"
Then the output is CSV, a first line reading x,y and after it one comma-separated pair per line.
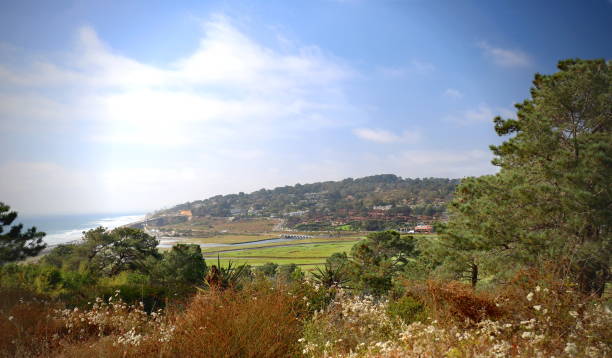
x,y
423,229
235,211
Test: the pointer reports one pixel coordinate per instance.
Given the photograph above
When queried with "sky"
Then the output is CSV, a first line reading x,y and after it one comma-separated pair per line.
x,y
131,106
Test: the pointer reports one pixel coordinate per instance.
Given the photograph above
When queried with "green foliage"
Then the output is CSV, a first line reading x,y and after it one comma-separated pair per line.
x,y
184,264
14,244
289,273
120,249
335,272
417,196
378,258
268,269
408,309
224,277
551,200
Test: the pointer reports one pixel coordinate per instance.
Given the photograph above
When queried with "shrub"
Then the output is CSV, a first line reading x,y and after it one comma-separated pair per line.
x,y
407,309
348,324
27,324
259,321
455,301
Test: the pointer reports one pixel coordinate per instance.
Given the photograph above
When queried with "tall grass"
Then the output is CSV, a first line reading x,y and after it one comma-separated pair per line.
x,y
532,316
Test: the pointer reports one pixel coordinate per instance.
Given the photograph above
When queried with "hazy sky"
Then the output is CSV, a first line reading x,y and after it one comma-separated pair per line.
x,y
117,106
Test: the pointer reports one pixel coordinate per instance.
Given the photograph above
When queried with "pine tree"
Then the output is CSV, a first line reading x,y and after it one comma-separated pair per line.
x,y
552,199
16,245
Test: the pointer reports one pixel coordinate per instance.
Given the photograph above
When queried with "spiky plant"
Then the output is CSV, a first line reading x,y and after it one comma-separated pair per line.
x,y
221,278
331,275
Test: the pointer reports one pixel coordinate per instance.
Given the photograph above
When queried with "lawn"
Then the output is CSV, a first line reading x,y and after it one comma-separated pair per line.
x,y
322,250
303,255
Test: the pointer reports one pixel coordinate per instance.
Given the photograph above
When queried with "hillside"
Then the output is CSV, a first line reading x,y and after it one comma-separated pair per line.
x,y
371,203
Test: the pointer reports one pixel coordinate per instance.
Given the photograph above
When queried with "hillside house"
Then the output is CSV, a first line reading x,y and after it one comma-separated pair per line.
x,y
186,213
423,229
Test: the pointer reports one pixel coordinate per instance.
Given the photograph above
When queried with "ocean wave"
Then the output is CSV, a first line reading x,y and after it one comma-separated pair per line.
x,y
76,234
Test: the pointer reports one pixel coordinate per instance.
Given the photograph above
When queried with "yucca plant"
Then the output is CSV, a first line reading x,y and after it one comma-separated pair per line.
x,y
221,278
331,275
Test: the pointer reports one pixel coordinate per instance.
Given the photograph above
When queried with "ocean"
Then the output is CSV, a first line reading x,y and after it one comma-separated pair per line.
x,y
61,229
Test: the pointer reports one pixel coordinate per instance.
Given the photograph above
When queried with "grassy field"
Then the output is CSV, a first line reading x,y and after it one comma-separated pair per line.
x,y
275,244
300,254
306,264
308,253
323,251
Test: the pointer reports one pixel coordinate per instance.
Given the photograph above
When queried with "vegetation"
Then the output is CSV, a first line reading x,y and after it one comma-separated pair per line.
x,y
329,201
550,202
15,245
519,270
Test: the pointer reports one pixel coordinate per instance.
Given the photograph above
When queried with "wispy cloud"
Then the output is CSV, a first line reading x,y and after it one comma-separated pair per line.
x,y
384,136
453,93
505,57
483,113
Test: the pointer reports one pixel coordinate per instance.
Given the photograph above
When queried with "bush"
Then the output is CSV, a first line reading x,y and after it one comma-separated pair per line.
x,y
407,309
259,321
455,301
348,324
27,325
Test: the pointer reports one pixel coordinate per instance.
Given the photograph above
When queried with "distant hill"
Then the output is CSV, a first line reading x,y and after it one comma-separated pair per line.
x,y
385,197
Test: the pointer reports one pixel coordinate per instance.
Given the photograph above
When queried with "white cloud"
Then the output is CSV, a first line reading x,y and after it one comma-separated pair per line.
x,y
453,93
505,57
220,111
481,114
441,163
409,163
231,85
383,136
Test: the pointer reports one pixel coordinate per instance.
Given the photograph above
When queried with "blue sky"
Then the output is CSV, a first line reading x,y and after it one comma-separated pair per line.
x,y
116,106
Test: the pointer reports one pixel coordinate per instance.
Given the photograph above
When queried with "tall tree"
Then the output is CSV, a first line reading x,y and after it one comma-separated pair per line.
x,y
16,245
378,258
552,199
123,248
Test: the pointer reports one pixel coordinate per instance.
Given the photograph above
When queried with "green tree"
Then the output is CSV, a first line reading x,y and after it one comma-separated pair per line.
x,y
551,202
123,248
378,258
16,245
184,264
268,269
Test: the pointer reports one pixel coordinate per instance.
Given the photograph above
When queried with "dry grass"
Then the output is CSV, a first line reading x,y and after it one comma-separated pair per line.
x,y
27,325
260,321
533,316
455,301
257,322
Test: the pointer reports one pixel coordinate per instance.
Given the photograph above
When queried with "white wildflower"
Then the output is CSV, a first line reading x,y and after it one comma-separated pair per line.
x,y
570,348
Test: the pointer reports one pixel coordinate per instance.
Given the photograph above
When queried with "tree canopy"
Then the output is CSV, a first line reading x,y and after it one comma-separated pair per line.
x,y
119,249
551,201
16,245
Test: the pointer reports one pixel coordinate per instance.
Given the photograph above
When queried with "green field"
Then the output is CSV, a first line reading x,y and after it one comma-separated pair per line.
x,y
311,255
307,253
